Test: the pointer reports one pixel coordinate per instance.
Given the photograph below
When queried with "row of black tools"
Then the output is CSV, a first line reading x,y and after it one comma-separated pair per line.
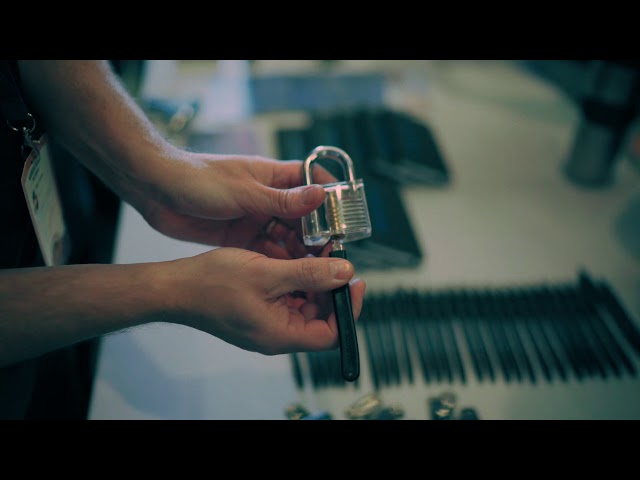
x,y
549,332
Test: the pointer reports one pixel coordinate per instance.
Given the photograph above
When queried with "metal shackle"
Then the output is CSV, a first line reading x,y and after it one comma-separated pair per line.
x,y
333,153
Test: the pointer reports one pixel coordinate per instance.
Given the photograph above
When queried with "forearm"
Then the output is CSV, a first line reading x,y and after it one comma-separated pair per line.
x,y
86,107
43,309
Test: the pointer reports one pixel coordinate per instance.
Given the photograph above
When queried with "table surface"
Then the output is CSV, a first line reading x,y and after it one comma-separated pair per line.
x,y
509,216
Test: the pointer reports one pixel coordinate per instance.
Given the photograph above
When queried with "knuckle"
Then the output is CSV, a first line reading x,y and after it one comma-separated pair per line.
x,y
281,201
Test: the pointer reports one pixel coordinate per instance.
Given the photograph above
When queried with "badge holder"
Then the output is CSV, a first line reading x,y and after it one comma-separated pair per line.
x,y
38,178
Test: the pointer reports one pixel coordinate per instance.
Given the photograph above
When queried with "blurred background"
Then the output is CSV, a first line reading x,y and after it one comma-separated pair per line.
x,y
503,270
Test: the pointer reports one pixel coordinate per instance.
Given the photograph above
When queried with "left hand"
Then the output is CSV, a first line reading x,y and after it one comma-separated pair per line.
x,y
259,304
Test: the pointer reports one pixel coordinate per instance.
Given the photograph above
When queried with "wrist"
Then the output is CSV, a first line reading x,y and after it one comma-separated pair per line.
x,y
162,295
150,173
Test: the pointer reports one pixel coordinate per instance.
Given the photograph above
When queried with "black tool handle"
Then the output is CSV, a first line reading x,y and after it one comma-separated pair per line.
x,y
349,356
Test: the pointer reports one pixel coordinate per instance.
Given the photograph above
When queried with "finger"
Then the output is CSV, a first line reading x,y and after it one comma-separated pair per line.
x,y
277,230
270,249
295,303
311,310
319,334
294,245
285,236
309,274
285,203
315,335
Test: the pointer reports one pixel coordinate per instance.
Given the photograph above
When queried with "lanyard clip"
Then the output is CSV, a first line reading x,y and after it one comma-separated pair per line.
x,y
27,140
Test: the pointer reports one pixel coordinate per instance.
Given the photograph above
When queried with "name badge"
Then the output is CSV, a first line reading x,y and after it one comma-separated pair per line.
x,y
45,208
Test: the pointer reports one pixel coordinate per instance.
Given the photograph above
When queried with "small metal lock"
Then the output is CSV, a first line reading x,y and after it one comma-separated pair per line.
x,y
371,407
296,411
344,216
443,406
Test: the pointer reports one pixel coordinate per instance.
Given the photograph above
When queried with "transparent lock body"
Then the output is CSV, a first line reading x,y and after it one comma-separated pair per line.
x,y
344,214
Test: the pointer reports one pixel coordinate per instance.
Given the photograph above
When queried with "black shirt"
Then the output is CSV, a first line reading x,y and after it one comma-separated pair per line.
x,y
58,384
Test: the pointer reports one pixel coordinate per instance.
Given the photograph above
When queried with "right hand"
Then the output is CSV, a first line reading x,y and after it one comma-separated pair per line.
x,y
261,304
225,200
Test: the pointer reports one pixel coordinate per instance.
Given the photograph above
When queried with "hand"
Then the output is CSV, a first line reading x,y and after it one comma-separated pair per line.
x,y
230,201
256,303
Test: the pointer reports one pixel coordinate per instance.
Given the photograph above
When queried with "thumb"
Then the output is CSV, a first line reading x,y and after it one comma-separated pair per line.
x,y
290,203
310,274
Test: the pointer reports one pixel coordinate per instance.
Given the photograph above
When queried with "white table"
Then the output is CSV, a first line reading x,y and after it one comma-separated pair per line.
x,y
508,217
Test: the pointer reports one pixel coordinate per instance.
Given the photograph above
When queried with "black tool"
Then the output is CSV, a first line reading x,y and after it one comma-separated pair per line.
x,y
449,336
511,319
397,303
590,300
297,371
598,338
579,343
380,350
487,313
554,325
415,333
346,327
433,320
368,337
466,308
536,336
609,299
389,339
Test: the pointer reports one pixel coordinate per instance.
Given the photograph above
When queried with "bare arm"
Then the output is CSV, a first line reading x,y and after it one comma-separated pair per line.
x,y
86,107
42,309
239,296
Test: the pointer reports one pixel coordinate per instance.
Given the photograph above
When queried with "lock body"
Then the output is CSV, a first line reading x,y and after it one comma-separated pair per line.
x,y
344,214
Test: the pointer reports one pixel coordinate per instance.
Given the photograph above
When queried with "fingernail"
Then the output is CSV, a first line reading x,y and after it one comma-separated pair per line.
x,y
309,194
341,269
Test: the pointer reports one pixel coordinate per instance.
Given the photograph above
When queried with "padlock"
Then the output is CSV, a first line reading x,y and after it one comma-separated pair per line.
x,y
344,216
